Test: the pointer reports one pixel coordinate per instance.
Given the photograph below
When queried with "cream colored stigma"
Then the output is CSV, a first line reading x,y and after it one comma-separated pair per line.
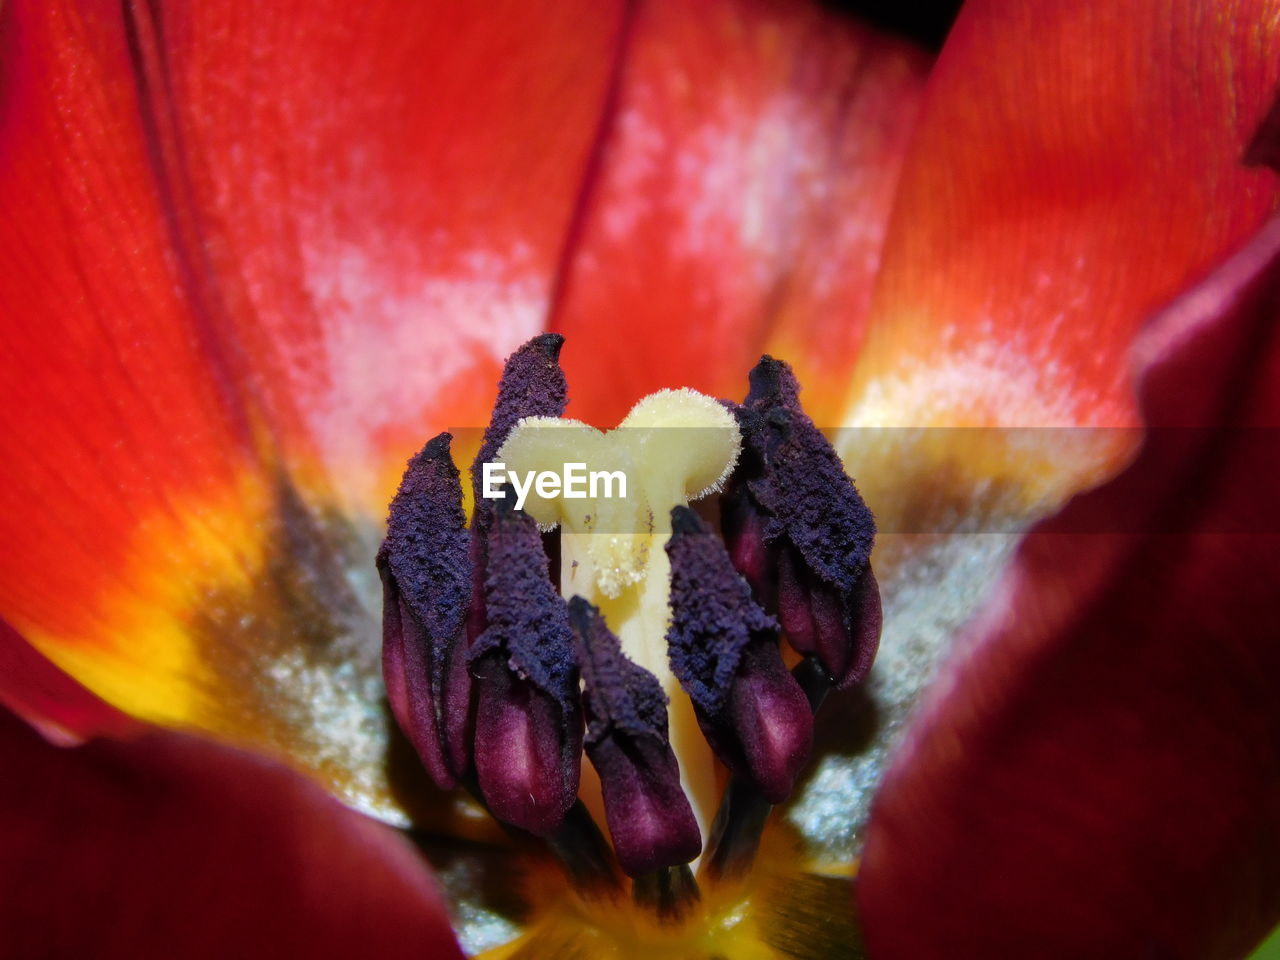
x,y
673,447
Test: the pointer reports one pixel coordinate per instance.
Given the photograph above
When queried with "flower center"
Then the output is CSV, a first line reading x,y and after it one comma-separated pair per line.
x,y
501,673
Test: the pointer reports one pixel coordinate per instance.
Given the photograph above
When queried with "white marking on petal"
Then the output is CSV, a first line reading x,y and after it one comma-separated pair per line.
x,y
392,342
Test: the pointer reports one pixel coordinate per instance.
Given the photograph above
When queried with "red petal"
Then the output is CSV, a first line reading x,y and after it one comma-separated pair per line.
x,y
111,413
170,846
1098,772
1076,164
739,203
48,699
389,186
244,253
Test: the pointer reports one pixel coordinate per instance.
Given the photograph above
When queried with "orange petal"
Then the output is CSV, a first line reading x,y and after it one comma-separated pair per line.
x,y
739,203
382,191
169,846
125,448
1076,164
244,260
1097,771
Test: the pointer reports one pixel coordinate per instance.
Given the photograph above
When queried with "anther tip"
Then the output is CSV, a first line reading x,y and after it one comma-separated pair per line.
x,y
505,506
684,520
772,378
582,611
548,343
437,447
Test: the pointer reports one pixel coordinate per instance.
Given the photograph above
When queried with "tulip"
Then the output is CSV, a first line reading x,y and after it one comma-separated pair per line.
x,y
254,259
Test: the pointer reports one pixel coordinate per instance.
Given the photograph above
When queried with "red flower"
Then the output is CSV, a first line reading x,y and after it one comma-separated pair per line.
x,y
250,259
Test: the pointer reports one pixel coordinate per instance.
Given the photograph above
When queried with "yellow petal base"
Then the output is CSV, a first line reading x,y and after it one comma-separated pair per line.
x,y
782,911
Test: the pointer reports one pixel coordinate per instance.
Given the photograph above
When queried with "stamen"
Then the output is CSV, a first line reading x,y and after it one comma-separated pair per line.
x,y
528,718
744,810
426,577
532,384
724,649
800,531
649,817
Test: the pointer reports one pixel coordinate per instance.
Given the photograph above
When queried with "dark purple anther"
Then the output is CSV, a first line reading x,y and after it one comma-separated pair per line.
x,y
425,567
532,385
724,650
799,531
649,816
528,743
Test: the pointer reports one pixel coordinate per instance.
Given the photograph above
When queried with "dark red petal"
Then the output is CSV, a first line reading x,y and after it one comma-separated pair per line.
x,y
1097,772
170,846
48,699
739,205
